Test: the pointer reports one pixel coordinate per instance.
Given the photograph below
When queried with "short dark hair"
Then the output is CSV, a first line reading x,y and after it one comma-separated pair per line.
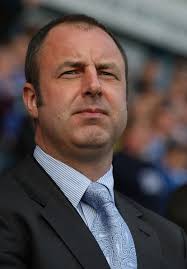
x,y
31,65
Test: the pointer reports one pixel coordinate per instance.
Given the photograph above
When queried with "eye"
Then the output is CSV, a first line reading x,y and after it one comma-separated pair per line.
x,y
107,74
70,73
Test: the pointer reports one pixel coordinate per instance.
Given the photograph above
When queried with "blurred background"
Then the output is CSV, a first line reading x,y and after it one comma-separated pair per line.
x,y
150,162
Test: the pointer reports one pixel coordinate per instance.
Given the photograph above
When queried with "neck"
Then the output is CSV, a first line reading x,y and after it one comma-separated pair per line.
x,y
92,165
93,170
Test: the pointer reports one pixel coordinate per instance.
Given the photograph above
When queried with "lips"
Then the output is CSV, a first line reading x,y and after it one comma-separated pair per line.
x,y
92,110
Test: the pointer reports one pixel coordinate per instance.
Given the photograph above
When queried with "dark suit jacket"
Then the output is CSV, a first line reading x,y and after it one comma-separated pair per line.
x,y
40,229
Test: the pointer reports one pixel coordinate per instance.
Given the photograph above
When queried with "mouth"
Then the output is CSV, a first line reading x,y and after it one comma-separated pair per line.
x,y
91,112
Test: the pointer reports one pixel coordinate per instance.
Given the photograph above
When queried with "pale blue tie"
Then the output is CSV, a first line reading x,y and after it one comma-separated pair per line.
x,y
109,229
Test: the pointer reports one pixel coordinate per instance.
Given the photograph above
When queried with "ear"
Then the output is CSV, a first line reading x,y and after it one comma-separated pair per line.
x,y
30,100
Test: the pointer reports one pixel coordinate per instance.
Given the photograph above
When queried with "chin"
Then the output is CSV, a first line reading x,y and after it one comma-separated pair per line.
x,y
93,142
93,137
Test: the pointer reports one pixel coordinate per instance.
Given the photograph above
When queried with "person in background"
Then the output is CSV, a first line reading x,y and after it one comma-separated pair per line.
x,y
177,207
58,208
15,34
135,177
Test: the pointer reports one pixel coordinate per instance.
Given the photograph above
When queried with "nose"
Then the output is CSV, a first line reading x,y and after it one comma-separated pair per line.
x,y
91,85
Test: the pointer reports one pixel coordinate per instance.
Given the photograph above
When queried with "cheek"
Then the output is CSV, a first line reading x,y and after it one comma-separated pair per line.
x,y
118,101
121,108
53,114
57,102
118,112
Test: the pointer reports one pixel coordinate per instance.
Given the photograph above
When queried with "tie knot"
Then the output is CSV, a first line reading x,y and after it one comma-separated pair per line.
x,y
97,195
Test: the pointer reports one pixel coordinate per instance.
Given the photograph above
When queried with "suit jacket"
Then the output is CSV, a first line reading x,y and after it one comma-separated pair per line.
x,y
40,229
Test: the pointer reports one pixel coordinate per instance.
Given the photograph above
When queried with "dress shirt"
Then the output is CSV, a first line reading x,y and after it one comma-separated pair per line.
x,y
73,183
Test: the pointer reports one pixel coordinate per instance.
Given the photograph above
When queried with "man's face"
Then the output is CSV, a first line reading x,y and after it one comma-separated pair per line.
x,y
83,88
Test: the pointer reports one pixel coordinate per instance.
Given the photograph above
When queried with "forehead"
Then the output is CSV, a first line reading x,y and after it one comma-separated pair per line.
x,y
79,41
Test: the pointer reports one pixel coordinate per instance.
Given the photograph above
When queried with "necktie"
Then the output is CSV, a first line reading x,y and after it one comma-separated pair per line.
x,y
109,229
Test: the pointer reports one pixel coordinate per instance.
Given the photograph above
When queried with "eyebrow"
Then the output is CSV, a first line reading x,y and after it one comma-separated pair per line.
x,y
106,66
69,64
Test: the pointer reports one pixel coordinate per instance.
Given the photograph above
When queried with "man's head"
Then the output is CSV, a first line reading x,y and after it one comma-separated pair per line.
x,y
79,70
32,68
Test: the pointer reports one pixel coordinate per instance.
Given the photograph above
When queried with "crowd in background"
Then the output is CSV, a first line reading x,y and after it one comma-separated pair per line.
x,y
151,158
154,144
15,33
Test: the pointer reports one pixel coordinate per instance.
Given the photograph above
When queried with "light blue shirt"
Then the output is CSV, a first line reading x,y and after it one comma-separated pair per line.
x,y
72,183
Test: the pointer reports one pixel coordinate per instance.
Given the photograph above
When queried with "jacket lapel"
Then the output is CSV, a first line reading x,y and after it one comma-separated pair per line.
x,y
61,215
146,241
67,223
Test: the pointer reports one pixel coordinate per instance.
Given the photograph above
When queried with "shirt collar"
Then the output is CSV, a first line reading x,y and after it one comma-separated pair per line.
x,y
71,182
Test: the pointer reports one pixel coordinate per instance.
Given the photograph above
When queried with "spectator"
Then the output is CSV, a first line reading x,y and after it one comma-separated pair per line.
x,y
177,207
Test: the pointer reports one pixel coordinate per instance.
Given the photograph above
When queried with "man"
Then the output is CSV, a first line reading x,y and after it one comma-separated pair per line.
x,y
75,92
